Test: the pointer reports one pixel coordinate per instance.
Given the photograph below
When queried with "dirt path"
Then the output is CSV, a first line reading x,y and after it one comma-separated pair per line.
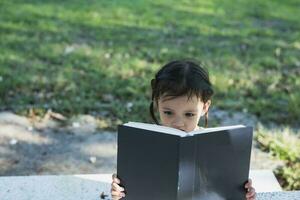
x,y
28,148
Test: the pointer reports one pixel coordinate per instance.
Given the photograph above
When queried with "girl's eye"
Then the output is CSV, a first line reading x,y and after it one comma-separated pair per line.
x,y
168,112
189,114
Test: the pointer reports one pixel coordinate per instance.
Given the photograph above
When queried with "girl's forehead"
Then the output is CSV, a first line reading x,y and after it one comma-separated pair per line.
x,y
185,100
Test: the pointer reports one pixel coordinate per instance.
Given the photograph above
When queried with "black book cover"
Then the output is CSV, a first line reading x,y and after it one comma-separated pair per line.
x,y
207,166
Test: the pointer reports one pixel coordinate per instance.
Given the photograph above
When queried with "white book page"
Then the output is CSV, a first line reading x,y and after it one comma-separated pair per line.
x,y
221,128
157,128
174,131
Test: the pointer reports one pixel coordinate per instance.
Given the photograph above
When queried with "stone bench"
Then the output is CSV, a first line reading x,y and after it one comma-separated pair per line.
x,y
89,187
264,181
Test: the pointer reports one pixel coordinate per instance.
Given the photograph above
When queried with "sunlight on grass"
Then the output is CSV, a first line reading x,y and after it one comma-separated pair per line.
x,y
248,48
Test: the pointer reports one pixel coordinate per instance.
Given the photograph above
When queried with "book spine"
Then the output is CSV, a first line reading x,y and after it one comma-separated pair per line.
x,y
186,172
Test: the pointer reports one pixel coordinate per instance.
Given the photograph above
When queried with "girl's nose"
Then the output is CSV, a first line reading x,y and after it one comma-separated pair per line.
x,y
178,123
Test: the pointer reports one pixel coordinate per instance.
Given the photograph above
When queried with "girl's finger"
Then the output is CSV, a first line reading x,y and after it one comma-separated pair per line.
x,y
248,184
251,198
115,178
117,194
116,187
113,187
251,193
116,197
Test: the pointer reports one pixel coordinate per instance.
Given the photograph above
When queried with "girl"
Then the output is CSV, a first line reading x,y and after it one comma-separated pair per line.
x,y
181,93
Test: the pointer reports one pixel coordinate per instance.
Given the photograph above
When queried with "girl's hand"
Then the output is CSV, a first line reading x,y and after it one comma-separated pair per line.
x,y
117,192
251,194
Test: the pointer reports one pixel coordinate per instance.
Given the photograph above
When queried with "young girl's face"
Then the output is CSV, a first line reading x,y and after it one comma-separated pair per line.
x,y
181,112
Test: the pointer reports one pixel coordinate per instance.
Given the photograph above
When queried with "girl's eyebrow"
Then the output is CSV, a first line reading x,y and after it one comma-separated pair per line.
x,y
166,108
191,111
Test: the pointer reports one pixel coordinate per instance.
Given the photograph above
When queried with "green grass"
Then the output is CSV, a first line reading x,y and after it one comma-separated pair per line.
x,y
69,55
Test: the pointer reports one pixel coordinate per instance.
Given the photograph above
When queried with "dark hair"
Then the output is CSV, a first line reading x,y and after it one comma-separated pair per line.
x,y
179,78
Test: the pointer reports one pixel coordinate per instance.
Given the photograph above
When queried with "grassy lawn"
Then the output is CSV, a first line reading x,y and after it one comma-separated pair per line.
x,y
79,57
98,57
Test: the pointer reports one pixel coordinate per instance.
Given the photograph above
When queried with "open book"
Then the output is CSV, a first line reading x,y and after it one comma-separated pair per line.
x,y
163,163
